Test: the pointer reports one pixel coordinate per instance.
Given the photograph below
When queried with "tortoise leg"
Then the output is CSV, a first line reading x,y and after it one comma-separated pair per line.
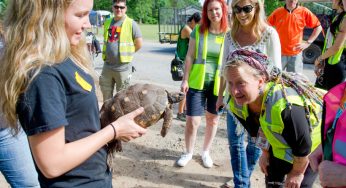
x,y
167,120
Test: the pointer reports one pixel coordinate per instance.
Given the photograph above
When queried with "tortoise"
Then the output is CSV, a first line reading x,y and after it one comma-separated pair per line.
x,y
157,103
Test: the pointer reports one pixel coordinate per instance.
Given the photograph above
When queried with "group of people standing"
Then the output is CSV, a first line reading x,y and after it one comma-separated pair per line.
x,y
48,85
259,61
47,82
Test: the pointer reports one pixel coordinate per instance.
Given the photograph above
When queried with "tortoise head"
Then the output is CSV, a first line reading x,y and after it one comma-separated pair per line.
x,y
175,97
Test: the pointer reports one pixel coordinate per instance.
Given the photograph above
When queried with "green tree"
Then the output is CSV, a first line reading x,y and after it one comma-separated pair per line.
x,y
3,4
103,5
141,10
271,5
145,11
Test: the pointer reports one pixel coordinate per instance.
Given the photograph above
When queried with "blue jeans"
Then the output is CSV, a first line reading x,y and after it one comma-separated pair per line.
x,y
16,162
243,160
293,63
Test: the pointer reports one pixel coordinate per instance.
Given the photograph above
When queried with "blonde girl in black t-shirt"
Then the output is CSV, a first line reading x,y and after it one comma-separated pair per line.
x,y
46,82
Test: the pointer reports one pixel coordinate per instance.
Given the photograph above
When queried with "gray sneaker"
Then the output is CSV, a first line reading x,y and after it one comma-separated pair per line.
x,y
181,116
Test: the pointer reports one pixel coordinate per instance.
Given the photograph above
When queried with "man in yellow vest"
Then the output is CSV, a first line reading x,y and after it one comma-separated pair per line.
x,y
122,38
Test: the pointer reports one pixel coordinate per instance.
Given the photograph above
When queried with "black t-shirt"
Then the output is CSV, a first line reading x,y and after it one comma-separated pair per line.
x,y
64,95
296,131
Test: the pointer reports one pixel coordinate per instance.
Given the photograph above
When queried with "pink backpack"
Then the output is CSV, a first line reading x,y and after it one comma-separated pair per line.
x,y
334,132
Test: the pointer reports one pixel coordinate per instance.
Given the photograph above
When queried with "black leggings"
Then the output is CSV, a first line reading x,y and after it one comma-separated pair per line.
x,y
277,170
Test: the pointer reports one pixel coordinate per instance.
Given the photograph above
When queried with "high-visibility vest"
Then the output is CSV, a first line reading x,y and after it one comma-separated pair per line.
x,y
126,44
197,73
272,123
329,41
333,102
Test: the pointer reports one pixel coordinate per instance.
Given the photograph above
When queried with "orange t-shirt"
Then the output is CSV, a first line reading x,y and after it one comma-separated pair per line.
x,y
290,26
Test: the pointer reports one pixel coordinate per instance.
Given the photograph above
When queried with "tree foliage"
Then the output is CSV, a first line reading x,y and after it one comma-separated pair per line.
x,y
3,4
271,5
145,11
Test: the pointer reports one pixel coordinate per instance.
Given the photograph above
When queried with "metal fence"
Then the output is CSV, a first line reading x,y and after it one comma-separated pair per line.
x,y
170,22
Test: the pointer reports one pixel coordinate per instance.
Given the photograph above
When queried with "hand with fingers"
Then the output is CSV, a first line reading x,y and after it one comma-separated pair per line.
x,y
126,128
220,104
302,46
293,180
184,86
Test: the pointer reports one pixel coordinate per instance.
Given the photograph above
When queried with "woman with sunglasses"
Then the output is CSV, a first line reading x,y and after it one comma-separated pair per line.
x,y
201,79
248,31
281,110
47,83
331,65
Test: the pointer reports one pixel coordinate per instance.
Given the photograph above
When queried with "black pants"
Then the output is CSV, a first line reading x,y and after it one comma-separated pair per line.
x,y
333,74
278,169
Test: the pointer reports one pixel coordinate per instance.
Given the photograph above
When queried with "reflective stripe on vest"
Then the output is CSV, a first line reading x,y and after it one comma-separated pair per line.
x,y
197,73
126,45
328,42
271,121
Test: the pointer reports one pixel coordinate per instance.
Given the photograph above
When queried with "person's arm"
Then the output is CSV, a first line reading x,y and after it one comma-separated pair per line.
x,y
274,48
55,157
338,44
138,43
332,174
311,22
185,32
137,36
264,161
190,57
223,84
305,44
296,175
297,135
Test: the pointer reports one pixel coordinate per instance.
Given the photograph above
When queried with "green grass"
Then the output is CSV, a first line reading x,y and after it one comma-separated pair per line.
x,y
150,32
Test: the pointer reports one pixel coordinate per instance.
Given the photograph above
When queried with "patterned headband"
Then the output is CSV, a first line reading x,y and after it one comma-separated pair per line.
x,y
256,60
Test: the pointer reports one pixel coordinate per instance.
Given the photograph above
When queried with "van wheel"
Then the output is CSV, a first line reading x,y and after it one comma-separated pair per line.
x,y
311,53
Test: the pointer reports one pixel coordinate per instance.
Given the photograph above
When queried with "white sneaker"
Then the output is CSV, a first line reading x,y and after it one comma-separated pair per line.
x,y
207,161
184,159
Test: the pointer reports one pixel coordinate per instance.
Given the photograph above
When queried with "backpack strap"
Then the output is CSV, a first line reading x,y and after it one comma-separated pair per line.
x,y
343,100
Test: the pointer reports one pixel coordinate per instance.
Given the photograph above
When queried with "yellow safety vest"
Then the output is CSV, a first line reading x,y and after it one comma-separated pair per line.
x,y
329,41
197,73
126,44
272,123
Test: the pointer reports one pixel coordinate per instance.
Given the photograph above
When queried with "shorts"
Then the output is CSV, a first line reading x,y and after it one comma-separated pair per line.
x,y
196,101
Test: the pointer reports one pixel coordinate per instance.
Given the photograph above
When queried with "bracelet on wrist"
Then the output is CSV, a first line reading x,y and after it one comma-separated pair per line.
x,y
115,132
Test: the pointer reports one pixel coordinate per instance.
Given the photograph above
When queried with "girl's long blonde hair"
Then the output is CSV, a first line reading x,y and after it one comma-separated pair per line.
x,y
35,36
259,21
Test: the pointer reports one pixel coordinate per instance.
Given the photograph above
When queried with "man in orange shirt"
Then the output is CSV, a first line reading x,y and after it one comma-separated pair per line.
x,y
289,21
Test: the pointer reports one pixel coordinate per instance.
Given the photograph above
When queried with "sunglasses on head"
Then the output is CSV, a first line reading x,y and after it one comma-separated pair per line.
x,y
119,7
246,9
